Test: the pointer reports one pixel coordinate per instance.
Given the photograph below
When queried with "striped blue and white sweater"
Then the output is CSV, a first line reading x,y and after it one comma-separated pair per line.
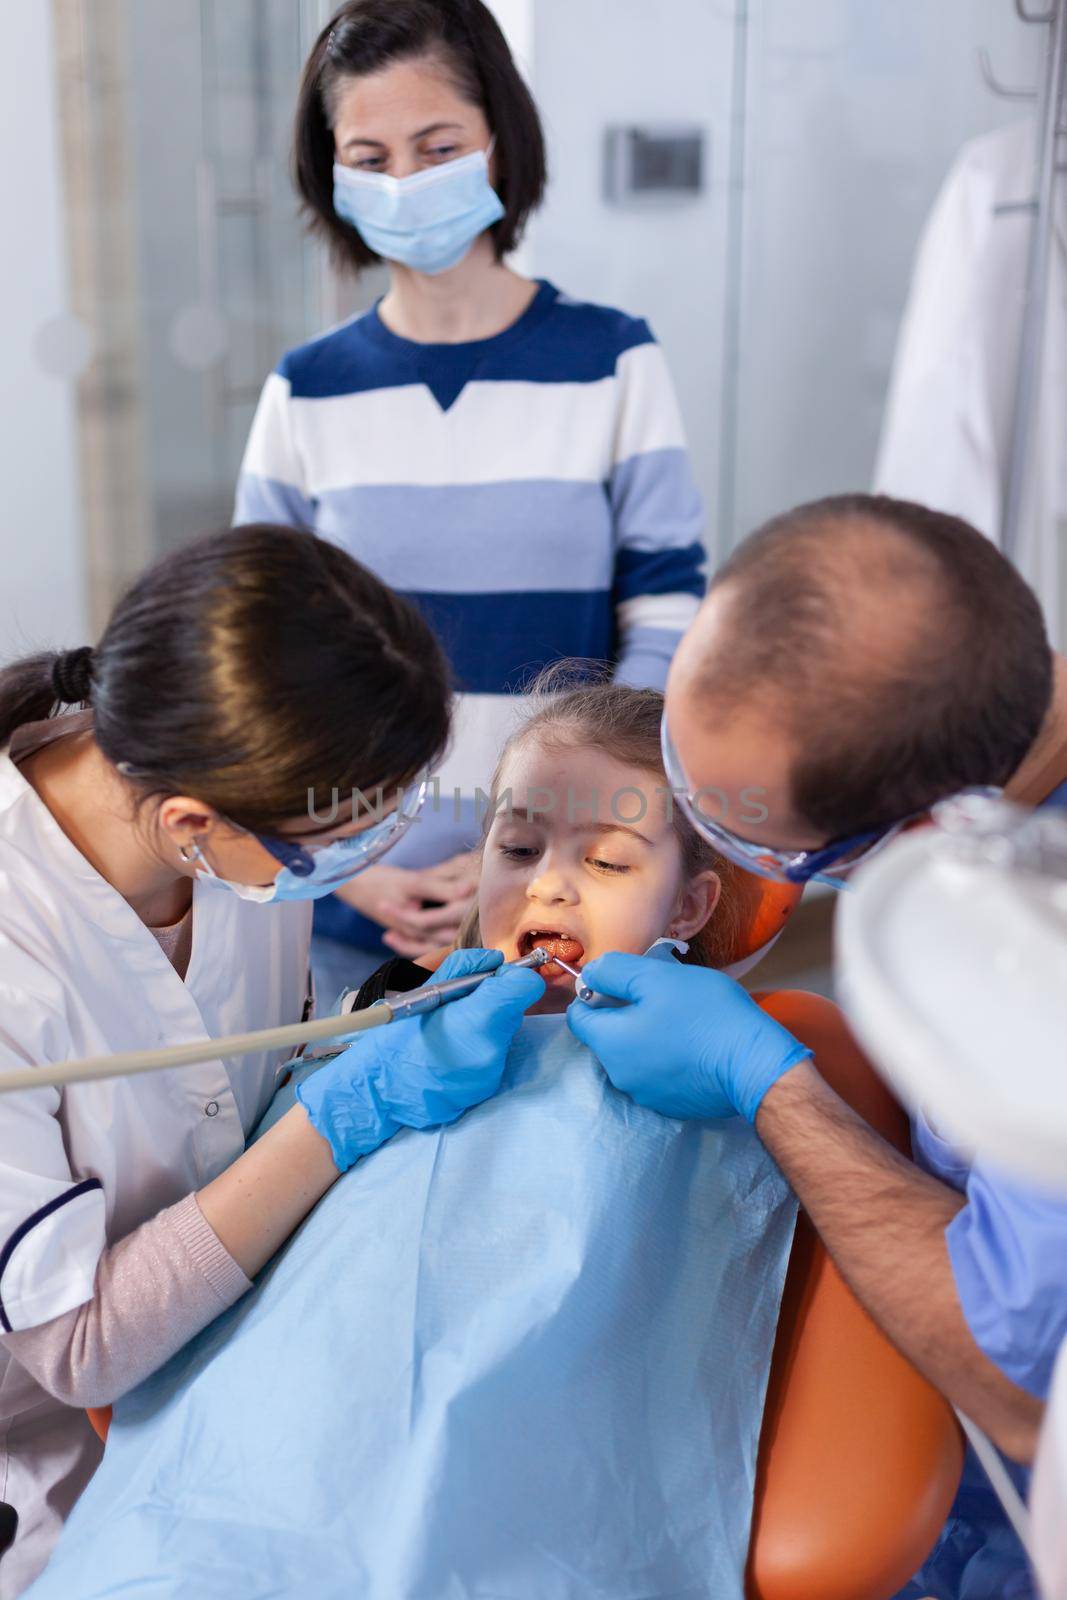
x,y
531,493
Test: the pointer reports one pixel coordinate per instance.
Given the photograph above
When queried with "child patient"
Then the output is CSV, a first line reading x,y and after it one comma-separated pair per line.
x,y
524,1355
586,851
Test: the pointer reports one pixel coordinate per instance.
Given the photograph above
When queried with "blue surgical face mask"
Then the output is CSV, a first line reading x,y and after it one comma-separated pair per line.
x,y
427,221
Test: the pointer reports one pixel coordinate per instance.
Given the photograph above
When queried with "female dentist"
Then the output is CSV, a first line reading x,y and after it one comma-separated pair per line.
x,y
511,458
243,690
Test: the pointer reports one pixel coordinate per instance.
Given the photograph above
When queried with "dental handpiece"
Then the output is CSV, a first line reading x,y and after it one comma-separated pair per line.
x,y
427,998
293,1035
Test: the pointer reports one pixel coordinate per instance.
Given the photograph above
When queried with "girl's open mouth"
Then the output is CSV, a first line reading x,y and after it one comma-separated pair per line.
x,y
557,944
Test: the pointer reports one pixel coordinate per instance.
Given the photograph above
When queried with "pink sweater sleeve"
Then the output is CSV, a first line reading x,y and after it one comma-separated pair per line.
x,y
154,1290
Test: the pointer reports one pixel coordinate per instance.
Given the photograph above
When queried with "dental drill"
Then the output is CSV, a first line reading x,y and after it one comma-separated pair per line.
x,y
417,1002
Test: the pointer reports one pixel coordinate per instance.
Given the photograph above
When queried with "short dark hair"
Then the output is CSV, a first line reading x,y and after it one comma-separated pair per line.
x,y
367,35
954,697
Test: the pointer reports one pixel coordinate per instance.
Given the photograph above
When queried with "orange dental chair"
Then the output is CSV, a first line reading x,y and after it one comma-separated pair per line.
x,y
859,1456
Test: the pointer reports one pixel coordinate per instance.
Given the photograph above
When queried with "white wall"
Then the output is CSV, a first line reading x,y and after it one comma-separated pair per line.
x,y
516,18
42,601
855,114
601,62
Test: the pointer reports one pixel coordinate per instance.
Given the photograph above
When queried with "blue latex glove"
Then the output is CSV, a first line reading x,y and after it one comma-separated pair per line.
x,y
691,1043
425,1070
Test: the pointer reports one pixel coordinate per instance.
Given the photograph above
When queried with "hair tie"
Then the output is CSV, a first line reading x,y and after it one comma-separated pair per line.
x,y
72,676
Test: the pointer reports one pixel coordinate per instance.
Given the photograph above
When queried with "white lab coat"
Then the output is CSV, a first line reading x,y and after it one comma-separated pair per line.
x,y
81,975
946,437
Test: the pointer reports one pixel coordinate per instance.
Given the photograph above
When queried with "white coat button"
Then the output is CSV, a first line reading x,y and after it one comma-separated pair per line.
x,y
211,1109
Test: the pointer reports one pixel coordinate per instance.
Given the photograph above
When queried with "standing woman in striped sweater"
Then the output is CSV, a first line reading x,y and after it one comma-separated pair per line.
x,y
508,457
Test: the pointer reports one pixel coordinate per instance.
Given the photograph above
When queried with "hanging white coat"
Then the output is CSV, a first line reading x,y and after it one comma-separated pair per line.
x,y
946,438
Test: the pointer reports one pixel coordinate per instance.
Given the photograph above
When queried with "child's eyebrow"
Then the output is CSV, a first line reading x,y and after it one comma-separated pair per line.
x,y
536,814
613,827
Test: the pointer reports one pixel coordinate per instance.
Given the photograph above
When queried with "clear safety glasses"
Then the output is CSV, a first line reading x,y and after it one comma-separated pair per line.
x,y
830,865
337,860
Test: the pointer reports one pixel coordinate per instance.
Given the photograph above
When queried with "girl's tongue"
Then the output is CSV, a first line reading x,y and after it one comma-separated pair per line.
x,y
557,944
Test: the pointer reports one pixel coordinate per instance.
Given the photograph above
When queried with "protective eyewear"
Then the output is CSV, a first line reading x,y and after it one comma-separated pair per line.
x,y
355,852
830,864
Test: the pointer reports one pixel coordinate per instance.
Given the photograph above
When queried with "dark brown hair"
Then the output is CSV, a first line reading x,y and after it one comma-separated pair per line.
x,y
367,35
950,693
254,670
623,723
